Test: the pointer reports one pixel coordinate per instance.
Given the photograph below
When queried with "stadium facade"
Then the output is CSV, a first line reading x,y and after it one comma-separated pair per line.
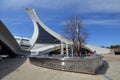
x,y
43,40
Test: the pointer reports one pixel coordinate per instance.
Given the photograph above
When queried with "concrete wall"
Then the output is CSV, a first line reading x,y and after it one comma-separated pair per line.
x,y
81,65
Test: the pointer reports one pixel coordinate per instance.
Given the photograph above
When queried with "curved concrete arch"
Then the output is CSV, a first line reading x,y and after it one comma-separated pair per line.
x,y
7,38
42,35
40,29
38,24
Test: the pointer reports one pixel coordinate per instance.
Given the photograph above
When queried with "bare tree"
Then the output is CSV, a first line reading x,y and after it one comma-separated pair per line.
x,y
77,33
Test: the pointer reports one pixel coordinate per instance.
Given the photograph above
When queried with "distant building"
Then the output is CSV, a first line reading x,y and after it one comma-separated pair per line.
x,y
115,49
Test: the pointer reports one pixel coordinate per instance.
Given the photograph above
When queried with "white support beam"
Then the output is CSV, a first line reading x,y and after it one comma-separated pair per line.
x,y
72,51
62,48
67,53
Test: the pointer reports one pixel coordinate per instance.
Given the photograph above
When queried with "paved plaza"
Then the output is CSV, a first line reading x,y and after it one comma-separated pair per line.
x,y
27,71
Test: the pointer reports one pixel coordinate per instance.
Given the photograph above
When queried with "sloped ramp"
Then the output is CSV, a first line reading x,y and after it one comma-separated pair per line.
x,y
98,50
7,38
45,49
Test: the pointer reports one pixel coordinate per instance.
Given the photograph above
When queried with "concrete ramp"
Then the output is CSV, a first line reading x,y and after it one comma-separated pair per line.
x,y
44,49
7,38
36,46
98,50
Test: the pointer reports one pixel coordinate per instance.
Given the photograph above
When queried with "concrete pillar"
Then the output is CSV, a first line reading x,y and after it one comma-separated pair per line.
x,y
72,51
20,42
67,53
62,47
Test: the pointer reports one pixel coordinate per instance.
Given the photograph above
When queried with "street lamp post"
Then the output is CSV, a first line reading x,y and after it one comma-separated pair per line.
x,y
77,30
72,51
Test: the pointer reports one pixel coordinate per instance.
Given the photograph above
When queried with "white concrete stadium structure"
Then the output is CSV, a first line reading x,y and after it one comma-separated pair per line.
x,y
43,40
38,23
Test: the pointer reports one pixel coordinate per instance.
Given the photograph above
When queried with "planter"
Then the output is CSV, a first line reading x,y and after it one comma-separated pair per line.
x,y
73,64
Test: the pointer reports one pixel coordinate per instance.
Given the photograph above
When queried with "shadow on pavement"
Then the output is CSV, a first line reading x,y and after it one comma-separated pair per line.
x,y
104,68
9,65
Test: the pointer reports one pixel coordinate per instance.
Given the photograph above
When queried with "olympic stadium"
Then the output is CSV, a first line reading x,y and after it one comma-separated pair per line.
x,y
43,41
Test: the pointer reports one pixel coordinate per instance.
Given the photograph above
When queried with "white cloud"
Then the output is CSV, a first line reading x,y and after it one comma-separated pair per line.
x,y
110,23
71,5
81,5
105,5
77,6
14,4
102,22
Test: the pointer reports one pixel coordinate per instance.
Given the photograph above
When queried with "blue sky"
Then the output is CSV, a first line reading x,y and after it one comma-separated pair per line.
x,y
100,17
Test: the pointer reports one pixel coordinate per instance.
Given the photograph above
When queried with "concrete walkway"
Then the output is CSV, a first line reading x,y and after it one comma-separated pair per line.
x,y
28,71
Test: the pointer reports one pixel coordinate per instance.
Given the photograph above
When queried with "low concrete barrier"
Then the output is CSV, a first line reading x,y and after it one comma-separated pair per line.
x,y
76,64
